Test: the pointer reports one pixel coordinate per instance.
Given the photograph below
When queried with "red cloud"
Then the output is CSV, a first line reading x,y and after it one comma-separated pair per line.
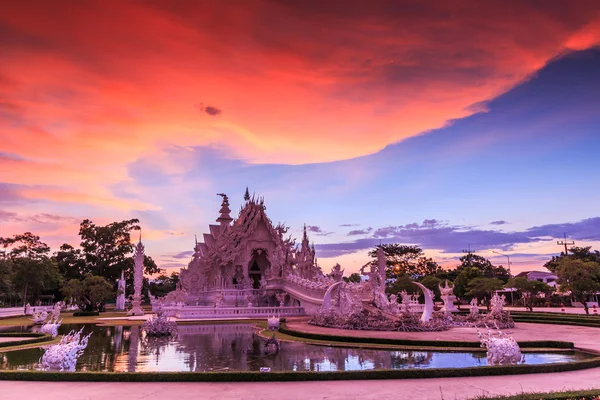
x,y
87,87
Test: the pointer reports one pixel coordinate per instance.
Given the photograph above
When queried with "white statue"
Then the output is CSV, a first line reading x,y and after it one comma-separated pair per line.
x,y
138,277
448,297
280,298
394,306
120,306
38,317
51,326
405,306
63,356
337,272
474,309
273,323
497,304
501,350
27,309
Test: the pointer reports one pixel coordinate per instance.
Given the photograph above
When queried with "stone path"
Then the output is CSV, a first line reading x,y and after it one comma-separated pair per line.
x,y
405,389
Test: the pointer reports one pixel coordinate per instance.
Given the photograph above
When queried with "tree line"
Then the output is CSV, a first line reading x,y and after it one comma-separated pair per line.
x,y
578,274
86,275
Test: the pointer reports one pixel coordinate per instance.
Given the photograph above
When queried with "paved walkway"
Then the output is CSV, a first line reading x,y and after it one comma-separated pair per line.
x,y
406,389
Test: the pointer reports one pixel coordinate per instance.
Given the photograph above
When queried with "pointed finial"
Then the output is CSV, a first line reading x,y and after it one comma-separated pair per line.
x,y
140,235
247,194
196,238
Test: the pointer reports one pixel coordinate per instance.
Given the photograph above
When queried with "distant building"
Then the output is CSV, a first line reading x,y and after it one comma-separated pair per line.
x,y
546,277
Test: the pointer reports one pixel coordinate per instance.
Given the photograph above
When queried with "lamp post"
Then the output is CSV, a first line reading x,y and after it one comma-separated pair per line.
x,y
509,274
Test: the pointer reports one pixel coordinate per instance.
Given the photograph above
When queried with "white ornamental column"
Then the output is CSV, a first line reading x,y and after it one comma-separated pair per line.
x,y
138,276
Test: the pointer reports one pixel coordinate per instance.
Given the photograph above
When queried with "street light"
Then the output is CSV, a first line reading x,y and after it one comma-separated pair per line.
x,y
508,258
509,274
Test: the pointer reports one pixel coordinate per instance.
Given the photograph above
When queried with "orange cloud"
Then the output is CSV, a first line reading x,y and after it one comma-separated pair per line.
x,y
89,87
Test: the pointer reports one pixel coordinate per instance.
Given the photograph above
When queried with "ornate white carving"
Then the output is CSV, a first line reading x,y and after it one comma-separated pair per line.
x,y
474,309
448,297
159,325
138,276
63,356
497,304
501,349
273,323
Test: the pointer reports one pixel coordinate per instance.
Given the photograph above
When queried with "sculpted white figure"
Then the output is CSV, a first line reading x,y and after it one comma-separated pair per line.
x,y
63,356
448,297
474,310
51,326
120,306
38,317
501,350
273,323
497,304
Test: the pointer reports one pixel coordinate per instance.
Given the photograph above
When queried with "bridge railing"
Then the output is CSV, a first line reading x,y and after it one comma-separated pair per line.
x,y
196,312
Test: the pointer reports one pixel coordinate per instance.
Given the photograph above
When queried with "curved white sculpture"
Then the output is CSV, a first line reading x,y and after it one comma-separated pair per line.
x,y
501,350
428,310
120,305
327,297
63,356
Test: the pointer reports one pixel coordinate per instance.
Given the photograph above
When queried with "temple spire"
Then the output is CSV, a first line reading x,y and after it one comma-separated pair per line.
x,y
247,195
224,218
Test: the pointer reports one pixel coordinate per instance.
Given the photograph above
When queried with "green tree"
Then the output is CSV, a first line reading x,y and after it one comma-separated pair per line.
x,y
354,277
164,284
529,289
105,251
577,253
403,259
402,282
462,280
89,293
7,290
581,278
33,271
484,288
487,269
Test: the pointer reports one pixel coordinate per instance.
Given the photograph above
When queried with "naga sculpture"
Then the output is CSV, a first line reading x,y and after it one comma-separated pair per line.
x,y
501,350
63,356
428,310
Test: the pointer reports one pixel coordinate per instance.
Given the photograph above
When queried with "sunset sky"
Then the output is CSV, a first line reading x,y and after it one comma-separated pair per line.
x,y
442,123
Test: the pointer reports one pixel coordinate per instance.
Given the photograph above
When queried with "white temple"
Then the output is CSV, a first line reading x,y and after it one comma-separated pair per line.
x,y
248,263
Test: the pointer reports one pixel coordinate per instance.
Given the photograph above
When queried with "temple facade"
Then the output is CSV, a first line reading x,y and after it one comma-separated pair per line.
x,y
251,262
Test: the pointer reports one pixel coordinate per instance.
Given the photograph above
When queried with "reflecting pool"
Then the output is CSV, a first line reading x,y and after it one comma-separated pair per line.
x,y
222,347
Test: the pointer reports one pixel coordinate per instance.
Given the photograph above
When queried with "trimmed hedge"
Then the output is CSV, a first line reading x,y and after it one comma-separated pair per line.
x,y
35,338
428,343
254,376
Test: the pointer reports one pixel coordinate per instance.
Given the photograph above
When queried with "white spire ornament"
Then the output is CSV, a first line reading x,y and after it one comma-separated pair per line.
x,y
138,276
